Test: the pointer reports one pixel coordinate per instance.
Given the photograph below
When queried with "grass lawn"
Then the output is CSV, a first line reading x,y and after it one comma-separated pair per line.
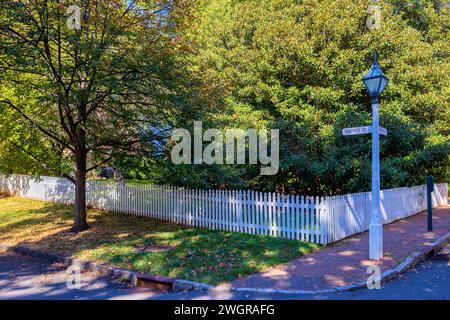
x,y
142,244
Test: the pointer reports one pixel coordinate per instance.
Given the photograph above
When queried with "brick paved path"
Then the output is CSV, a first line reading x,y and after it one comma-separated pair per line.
x,y
345,263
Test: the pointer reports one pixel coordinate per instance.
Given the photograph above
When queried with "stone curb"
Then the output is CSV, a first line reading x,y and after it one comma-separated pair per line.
x,y
179,285
98,269
185,285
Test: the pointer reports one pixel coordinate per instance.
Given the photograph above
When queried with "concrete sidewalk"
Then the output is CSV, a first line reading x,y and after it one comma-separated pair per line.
x,y
345,263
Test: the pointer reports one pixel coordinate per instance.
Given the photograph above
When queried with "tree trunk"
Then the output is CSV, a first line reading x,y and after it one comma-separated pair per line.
x,y
80,222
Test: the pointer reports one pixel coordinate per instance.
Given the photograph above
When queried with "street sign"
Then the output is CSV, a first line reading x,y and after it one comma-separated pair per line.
x,y
357,130
362,130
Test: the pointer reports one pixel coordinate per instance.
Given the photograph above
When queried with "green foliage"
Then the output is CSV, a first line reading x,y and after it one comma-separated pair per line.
x,y
297,66
23,149
287,64
106,90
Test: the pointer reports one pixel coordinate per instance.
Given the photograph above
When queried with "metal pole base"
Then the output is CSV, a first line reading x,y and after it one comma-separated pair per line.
x,y
376,241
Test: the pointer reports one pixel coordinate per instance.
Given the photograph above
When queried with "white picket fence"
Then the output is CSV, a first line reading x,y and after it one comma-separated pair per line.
x,y
350,213
311,219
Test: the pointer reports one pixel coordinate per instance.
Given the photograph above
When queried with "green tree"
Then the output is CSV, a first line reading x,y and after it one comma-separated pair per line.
x,y
113,84
297,66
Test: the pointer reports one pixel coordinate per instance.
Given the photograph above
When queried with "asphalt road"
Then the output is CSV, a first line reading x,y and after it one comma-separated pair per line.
x,y
27,278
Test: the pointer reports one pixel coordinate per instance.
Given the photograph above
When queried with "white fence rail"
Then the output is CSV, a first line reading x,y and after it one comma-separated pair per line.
x,y
311,219
350,214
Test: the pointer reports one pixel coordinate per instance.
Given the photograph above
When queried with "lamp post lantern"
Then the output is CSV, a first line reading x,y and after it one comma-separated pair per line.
x,y
375,82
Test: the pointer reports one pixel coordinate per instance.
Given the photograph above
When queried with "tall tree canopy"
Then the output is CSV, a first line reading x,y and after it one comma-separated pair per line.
x,y
297,66
112,84
118,84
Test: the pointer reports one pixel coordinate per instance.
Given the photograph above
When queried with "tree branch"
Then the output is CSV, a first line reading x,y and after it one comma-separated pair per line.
x,y
40,128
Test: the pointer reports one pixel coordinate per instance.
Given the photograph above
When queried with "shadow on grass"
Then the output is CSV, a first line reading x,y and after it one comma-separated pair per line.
x,y
195,254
